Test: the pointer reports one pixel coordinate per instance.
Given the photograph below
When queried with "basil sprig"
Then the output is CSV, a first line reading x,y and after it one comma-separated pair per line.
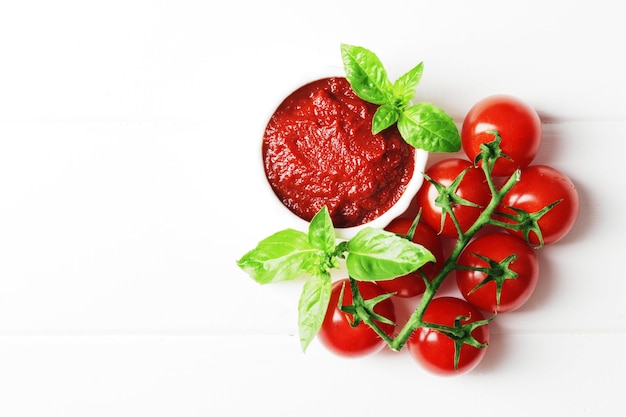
x,y
422,125
371,255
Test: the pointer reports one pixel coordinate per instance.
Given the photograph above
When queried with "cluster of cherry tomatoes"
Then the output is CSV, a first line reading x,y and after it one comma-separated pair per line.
x,y
497,270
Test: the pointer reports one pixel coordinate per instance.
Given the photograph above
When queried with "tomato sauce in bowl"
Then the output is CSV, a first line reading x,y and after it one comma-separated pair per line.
x,y
318,150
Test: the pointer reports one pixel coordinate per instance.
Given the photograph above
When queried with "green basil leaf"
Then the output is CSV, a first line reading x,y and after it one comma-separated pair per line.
x,y
321,231
283,256
405,86
312,306
366,74
385,116
375,255
428,127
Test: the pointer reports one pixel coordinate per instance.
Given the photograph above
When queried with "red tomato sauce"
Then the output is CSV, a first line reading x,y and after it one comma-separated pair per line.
x,y
318,149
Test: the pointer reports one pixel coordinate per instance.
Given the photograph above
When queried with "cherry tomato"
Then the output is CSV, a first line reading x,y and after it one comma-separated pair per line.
x,y
436,351
505,287
337,334
473,188
539,186
518,125
412,284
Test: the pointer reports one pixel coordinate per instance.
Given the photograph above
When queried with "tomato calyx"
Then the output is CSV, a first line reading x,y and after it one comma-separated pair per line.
x,y
490,152
362,310
447,199
526,222
497,272
461,334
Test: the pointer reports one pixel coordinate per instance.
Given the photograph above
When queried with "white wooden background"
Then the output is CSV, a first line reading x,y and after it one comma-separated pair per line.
x,y
130,184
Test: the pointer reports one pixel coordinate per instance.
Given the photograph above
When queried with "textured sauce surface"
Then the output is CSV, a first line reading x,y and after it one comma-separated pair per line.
x,y
318,149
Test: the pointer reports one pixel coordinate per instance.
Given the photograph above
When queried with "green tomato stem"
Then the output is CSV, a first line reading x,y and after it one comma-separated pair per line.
x,y
416,319
363,315
368,320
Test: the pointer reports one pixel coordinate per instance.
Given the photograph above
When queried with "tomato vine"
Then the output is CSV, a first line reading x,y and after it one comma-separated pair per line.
x,y
486,218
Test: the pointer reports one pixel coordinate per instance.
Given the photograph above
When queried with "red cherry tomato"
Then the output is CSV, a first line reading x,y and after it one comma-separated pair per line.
x,y
412,284
539,186
518,125
436,351
473,188
337,334
505,287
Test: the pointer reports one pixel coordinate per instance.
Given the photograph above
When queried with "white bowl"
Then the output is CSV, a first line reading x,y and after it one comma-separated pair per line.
x,y
292,220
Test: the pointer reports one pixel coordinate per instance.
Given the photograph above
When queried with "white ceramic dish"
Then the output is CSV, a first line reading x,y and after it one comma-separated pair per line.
x,y
294,221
